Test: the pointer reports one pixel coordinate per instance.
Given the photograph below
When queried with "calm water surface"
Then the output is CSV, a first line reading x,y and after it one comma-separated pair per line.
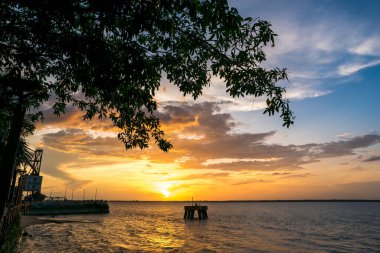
x,y
231,227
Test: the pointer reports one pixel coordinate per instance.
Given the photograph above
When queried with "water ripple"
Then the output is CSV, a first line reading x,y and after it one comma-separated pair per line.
x,y
232,227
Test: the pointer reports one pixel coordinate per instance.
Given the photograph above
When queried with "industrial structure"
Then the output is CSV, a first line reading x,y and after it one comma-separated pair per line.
x,y
26,177
31,181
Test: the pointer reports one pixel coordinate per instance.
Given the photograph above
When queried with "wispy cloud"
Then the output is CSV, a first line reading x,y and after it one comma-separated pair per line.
x,y
297,175
372,159
235,160
350,69
367,47
305,91
344,136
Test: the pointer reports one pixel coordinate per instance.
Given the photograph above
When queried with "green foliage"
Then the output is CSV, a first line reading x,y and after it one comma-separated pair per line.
x,y
12,238
108,57
7,104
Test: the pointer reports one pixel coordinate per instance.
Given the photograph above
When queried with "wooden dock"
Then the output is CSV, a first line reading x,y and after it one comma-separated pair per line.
x,y
190,211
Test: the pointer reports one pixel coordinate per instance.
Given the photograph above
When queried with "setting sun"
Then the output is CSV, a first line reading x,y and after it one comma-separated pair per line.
x,y
164,187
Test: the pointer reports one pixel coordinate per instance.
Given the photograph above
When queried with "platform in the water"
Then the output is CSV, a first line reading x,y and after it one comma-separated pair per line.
x,y
190,211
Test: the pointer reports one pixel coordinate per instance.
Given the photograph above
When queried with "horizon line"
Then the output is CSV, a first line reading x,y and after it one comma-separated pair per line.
x,y
265,200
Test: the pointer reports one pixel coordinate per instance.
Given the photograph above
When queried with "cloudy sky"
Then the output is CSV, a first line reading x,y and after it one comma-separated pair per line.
x,y
226,148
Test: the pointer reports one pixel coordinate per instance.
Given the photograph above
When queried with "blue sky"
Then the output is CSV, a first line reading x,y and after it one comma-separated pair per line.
x,y
225,148
332,51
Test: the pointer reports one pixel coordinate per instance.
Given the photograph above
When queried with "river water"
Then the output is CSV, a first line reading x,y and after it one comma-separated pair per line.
x,y
231,227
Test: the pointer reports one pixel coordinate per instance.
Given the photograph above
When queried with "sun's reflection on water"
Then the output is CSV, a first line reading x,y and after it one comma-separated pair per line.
x,y
165,235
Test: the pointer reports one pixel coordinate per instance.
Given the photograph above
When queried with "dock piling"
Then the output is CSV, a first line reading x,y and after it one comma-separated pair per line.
x,y
190,210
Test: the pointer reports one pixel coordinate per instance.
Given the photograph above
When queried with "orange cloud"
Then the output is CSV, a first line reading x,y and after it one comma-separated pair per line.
x,y
207,156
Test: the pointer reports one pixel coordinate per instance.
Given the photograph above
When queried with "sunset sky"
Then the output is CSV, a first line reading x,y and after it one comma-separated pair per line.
x,y
226,149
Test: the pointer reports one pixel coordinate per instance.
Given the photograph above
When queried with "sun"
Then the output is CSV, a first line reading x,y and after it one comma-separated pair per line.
x,y
164,187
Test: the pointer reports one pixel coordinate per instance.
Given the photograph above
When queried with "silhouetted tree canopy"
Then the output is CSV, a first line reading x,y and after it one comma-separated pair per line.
x,y
108,57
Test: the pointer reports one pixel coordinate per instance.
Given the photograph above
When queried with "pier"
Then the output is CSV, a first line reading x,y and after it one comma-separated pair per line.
x,y
66,207
190,211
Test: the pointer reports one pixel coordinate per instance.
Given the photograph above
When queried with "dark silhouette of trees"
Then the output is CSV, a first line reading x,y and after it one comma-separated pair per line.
x,y
107,58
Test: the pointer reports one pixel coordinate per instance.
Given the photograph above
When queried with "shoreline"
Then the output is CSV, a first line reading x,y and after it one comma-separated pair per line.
x,y
28,220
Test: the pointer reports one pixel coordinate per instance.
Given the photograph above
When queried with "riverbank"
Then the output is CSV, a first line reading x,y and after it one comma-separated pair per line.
x,y
26,241
18,232
29,220
26,221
